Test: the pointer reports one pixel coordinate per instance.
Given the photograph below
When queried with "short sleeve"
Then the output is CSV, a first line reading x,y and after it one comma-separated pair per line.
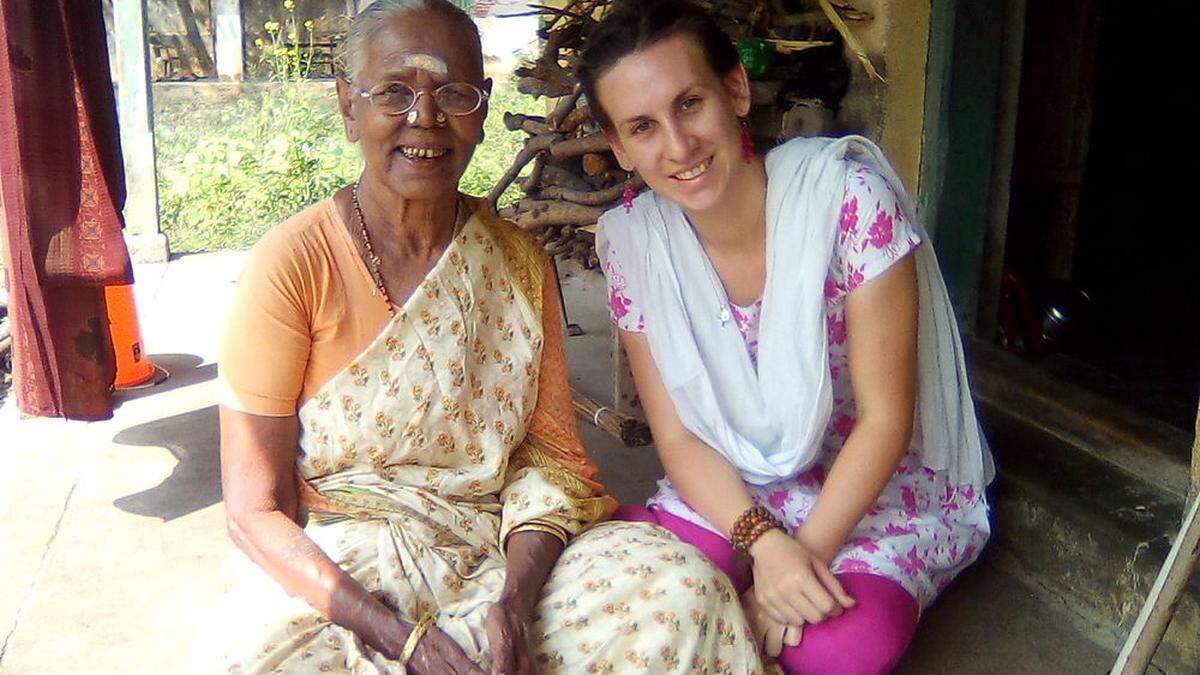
x,y
873,230
266,339
625,311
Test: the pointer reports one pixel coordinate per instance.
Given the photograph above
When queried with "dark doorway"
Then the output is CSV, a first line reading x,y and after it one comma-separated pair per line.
x,y
1101,195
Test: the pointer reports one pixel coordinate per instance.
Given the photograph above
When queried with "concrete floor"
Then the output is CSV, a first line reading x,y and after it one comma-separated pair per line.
x,y
114,535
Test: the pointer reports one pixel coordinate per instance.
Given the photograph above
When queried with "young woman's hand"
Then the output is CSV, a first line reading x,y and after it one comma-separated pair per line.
x,y
791,584
770,635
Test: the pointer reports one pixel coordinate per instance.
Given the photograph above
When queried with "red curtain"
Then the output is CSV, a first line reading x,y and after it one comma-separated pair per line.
x,y
62,190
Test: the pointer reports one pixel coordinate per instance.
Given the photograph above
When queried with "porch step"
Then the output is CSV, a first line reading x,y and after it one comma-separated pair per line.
x,y
1142,447
1087,500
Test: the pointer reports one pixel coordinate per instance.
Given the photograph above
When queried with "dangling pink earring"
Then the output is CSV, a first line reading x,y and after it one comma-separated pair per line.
x,y
628,193
747,145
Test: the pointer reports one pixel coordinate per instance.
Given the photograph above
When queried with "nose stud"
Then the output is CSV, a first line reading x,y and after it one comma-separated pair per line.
x,y
439,118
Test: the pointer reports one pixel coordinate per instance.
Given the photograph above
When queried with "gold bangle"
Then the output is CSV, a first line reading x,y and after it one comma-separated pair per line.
x,y
414,636
539,526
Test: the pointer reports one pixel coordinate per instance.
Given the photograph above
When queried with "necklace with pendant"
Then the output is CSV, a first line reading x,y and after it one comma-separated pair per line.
x,y
373,258
723,313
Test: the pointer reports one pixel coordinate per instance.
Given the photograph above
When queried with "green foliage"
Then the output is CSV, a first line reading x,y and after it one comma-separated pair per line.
x,y
228,171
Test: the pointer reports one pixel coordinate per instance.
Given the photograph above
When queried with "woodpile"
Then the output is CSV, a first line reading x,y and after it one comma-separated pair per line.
x,y
566,170
631,431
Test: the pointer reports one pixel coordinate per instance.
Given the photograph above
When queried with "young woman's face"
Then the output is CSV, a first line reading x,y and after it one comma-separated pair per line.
x,y
675,121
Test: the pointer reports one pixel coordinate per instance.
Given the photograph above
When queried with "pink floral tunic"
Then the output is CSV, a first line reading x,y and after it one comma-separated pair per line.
x,y
924,529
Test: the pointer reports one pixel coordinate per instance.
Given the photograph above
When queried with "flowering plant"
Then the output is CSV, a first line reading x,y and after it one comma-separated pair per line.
x,y
283,54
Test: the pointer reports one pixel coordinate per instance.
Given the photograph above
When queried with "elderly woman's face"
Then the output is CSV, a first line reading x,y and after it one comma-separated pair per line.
x,y
421,154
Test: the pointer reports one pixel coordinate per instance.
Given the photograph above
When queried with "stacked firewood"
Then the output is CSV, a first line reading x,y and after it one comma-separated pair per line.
x,y
574,178
567,172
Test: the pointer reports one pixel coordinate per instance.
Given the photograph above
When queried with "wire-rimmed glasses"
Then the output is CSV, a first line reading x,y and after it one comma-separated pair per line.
x,y
397,98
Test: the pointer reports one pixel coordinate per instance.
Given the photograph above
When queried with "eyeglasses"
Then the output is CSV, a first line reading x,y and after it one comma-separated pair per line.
x,y
397,98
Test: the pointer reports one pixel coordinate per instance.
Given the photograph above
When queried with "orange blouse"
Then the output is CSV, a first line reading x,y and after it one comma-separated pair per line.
x,y
306,305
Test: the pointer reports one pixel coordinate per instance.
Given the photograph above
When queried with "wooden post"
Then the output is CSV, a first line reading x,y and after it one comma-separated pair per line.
x,y
146,243
1181,563
1169,586
906,53
227,22
625,399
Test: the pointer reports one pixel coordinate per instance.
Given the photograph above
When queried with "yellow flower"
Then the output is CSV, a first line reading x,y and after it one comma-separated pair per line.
x,y
309,24
258,42
289,5
271,26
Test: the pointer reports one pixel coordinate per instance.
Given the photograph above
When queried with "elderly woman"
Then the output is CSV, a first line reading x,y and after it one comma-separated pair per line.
x,y
400,461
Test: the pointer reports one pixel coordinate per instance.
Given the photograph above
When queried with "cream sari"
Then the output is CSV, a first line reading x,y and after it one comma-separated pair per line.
x,y
428,450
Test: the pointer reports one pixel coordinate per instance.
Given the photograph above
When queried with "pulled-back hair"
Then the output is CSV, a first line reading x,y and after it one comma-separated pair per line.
x,y
634,25
371,19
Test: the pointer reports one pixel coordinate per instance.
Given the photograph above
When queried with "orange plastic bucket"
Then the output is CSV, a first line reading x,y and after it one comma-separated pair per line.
x,y
133,365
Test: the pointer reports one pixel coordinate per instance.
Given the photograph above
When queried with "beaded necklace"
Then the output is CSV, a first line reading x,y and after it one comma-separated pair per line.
x,y
373,258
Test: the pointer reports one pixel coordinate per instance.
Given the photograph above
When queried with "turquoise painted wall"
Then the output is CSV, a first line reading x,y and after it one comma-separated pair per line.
x,y
961,140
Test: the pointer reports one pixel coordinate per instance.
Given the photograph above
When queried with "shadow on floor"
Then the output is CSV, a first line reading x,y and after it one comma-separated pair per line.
x,y
195,483
183,370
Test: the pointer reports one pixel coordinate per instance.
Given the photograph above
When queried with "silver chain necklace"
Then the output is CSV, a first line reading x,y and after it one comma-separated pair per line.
x,y
723,313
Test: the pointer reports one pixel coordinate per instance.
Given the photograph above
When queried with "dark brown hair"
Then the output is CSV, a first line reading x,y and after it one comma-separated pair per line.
x,y
634,25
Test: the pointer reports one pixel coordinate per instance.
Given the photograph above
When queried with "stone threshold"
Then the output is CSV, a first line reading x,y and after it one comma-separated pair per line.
x,y
1127,439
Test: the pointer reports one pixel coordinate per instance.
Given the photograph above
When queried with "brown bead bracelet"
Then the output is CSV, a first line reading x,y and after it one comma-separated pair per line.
x,y
751,525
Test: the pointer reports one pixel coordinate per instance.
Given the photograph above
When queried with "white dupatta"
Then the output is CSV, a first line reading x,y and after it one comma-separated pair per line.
x,y
770,424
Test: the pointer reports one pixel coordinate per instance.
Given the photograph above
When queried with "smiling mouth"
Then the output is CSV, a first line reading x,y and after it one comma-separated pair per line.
x,y
695,171
413,152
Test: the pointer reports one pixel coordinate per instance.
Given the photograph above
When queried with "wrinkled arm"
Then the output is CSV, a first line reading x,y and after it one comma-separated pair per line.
x,y
531,556
258,477
881,320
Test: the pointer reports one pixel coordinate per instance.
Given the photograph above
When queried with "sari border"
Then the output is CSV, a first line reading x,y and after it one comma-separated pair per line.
x,y
522,253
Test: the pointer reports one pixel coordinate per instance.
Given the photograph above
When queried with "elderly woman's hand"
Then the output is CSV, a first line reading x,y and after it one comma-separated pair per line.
x,y
770,635
507,630
531,555
437,654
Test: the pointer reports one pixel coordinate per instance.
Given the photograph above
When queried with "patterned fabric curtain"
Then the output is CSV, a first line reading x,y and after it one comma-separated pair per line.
x,y
62,188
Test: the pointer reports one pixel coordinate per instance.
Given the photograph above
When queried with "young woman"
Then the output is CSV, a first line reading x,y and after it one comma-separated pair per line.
x,y
794,349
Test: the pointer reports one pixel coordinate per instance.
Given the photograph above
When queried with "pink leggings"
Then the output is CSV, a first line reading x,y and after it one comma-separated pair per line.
x,y
868,638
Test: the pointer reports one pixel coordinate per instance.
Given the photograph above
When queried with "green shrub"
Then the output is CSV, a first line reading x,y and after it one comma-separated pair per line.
x,y
228,171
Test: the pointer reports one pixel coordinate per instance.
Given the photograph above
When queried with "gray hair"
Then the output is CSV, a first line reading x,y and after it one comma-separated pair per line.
x,y
368,22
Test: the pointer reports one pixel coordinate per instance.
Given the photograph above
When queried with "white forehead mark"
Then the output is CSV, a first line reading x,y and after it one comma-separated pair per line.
x,y
426,62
